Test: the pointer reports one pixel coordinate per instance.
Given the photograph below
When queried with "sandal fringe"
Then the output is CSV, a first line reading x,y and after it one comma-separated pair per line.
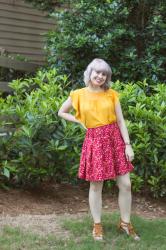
x,y
97,231
128,229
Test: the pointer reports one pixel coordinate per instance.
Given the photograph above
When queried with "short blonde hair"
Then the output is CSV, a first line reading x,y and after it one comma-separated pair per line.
x,y
98,65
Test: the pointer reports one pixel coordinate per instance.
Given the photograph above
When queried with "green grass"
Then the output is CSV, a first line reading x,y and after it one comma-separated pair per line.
x,y
153,236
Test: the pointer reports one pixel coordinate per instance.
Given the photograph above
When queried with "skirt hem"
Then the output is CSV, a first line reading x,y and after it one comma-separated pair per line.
x,y
107,178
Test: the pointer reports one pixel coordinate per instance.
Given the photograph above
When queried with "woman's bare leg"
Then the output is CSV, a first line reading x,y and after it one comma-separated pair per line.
x,y
95,200
124,199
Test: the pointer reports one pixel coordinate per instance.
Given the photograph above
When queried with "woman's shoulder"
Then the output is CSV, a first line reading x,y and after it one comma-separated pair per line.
x,y
77,91
112,93
115,95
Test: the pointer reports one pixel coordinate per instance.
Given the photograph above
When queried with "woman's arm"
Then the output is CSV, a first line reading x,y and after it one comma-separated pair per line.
x,y
124,132
121,123
64,111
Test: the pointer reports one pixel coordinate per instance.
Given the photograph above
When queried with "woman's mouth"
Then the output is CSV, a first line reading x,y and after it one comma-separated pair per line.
x,y
99,80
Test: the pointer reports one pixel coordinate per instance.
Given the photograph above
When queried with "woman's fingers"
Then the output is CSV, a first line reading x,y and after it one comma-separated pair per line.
x,y
129,157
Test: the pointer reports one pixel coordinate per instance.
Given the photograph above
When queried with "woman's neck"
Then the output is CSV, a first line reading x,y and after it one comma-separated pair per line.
x,y
94,89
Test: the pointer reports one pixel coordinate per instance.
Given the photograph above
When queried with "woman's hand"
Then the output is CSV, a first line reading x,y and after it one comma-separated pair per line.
x,y
83,125
129,153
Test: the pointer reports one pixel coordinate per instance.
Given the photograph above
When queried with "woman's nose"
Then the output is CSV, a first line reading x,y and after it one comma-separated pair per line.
x,y
100,75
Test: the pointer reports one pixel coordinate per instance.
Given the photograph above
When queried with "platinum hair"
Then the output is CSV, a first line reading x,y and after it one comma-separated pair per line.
x,y
98,65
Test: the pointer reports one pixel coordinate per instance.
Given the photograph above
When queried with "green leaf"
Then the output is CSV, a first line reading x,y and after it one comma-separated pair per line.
x,y
6,172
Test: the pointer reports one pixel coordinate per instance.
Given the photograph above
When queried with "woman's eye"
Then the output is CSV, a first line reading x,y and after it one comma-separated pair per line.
x,y
99,72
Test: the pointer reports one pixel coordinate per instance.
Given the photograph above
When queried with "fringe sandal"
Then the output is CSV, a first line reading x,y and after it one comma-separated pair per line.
x,y
97,231
128,229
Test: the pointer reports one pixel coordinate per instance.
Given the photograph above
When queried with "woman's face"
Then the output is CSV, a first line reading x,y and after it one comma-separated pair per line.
x,y
97,78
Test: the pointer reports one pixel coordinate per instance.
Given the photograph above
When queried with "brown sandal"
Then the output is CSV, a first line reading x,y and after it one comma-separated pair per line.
x,y
97,231
128,229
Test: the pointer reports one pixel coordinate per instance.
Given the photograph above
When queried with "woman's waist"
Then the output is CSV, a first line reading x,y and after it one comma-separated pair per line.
x,y
102,126
98,122
91,122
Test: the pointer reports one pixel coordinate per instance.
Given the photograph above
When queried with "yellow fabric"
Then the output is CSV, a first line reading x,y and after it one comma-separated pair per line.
x,y
94,109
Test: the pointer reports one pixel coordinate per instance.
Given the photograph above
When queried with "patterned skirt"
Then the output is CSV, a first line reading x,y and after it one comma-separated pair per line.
x,y
103,154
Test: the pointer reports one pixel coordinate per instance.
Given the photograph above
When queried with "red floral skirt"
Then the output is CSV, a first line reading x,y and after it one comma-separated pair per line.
x,y
103,154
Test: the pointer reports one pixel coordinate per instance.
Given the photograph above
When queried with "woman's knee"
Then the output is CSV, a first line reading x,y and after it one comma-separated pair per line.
x,y
96,186
124,185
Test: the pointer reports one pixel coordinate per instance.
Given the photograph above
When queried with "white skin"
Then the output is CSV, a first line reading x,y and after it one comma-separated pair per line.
x,y
97,79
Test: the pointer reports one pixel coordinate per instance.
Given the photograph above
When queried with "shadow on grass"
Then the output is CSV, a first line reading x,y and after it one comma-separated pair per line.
x,y
152,232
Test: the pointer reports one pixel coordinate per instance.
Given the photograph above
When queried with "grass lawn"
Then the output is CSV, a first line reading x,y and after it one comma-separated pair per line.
x,y
152,232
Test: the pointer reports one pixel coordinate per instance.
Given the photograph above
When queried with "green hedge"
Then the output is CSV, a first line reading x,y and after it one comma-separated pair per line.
x,y
145,115
130,35
37,145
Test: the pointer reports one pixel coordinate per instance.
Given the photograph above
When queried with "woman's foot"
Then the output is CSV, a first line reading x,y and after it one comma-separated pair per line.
x,y
97,231
128,229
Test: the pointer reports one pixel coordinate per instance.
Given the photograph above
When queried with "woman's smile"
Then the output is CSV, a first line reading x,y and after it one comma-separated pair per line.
x,y
98,78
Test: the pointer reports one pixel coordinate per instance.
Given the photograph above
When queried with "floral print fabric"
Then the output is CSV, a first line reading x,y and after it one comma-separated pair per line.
x,y
103,154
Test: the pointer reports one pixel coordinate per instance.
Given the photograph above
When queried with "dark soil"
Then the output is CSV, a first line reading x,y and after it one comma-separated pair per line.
x,y
65,198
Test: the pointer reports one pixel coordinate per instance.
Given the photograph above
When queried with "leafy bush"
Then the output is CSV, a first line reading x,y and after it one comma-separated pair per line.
x,y
130,35
37,145
145,116
8,74
48,5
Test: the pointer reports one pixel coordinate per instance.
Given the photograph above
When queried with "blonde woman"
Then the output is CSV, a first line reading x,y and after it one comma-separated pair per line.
x,y
106,151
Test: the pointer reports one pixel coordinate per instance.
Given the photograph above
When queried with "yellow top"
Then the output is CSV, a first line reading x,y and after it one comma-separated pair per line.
x,y
94,109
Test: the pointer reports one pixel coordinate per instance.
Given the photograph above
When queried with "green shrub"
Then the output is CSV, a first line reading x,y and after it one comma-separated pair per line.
x,y
130,35
48,5
137,182
38,145
145,116
8,74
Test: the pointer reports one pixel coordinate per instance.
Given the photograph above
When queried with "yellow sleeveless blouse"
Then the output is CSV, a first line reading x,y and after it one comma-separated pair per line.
x,y
94,109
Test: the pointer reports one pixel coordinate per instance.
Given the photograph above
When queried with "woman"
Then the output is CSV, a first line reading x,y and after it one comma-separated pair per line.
x,y
106,151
